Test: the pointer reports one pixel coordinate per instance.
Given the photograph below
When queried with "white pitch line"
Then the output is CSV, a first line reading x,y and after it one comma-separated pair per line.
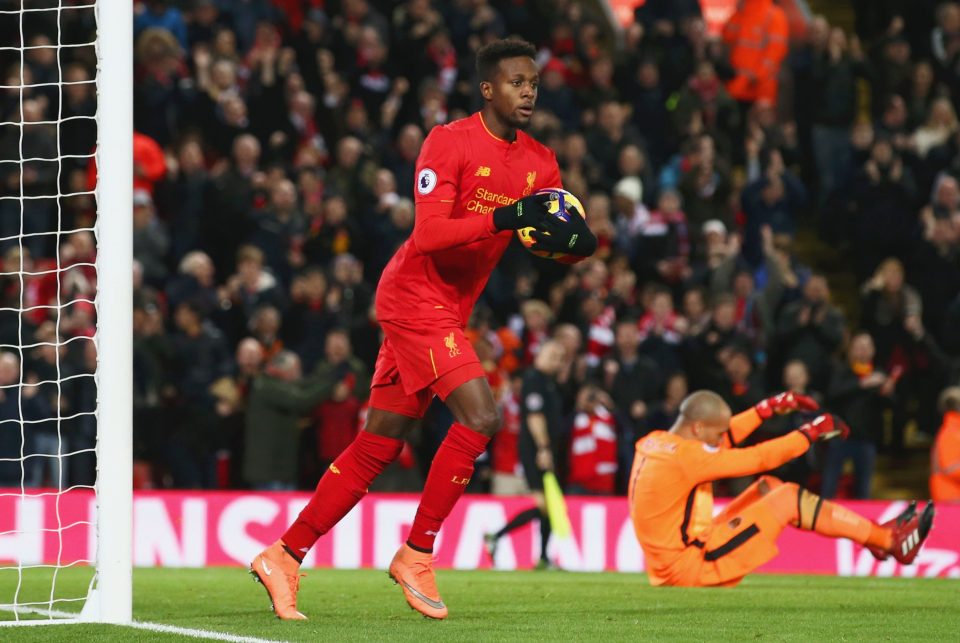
x,y
197,634
59,617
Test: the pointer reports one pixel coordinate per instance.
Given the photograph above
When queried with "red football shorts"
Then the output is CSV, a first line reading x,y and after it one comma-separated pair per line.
x,y
416,362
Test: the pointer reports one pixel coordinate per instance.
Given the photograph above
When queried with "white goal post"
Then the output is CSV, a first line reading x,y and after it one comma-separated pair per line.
x,y
109,598
114,586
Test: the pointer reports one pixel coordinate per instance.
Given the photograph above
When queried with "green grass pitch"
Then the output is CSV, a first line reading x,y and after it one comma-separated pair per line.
x,y
493,606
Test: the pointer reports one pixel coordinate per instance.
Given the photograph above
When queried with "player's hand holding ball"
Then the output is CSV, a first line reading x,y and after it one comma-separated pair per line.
x,y
825,427
563,235
530,211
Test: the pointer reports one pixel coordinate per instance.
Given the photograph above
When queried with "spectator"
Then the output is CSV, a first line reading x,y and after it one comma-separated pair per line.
x,y
157,14
858,393
940,124
309,319
248,289
810,329
757,37
796,379
507,477
702,353
674,392
150,238
632,379
278,229
886,302
945,457
236,189
773,201
279,398
195,282
593,444
200,357
743,387
883,196
835,71
337,420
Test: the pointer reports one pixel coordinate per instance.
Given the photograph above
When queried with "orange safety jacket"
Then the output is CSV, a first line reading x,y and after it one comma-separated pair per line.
x,y
757,35
945,460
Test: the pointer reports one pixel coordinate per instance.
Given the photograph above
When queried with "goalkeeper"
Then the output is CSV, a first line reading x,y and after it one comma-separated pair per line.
x,y
671,497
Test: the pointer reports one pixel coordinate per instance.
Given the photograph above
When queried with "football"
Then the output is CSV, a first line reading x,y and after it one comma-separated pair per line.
x,y
563,205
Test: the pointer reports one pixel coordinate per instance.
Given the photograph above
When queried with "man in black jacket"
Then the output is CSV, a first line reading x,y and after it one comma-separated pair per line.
x,y
858,393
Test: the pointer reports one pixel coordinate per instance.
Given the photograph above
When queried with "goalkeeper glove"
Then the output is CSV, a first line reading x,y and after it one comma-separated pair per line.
x,y
785,403
528,212
571,237
825,427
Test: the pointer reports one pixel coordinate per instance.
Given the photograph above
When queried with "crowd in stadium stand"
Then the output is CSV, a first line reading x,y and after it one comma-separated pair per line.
x,y
274,163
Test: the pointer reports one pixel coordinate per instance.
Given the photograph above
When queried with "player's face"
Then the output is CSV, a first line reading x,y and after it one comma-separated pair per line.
x,y
712,431
513,90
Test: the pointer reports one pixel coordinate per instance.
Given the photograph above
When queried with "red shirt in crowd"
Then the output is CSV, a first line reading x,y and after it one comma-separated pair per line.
x,y
593,451
503,453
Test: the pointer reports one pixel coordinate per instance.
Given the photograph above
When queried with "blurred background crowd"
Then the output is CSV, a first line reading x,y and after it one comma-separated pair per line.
x,y
777,203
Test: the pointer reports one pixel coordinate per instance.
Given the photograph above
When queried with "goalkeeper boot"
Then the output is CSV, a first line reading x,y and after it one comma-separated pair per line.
x,y
909,534
279,572
413,571
908,531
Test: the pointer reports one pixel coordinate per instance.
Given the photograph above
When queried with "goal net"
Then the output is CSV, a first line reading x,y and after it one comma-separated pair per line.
x,y
65,307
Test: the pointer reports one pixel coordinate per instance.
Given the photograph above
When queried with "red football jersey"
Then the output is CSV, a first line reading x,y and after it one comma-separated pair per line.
x,y
593,451
503,453
464,172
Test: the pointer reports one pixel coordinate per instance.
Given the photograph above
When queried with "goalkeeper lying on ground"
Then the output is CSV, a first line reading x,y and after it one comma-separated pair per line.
x,y
671,495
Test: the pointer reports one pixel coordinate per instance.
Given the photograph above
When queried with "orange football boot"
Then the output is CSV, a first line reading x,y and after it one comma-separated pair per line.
x,y
279,572
413,571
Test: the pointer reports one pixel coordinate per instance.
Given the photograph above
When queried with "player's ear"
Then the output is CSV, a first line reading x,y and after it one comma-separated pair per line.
x,y
486,90
697,429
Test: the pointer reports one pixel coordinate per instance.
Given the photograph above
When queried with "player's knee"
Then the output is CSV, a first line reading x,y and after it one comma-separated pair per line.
x,y
808,509
388,425
766,484
486,421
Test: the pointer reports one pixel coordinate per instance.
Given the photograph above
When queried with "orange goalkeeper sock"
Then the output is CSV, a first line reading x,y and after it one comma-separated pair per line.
x,y
834,520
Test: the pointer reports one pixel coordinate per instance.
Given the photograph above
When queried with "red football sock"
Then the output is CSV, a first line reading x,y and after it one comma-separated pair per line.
x,y
341,487
449,474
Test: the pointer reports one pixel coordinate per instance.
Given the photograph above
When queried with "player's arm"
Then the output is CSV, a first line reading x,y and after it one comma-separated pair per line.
x,y
439,171
537,425
745,423
704,463
434,230
532,399
296,397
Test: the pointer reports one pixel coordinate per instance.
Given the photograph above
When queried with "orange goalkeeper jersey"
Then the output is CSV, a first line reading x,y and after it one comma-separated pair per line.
x,y
671,494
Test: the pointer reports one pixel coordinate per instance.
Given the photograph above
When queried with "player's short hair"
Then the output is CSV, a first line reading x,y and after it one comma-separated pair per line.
x,y
949,399
703,405
490,55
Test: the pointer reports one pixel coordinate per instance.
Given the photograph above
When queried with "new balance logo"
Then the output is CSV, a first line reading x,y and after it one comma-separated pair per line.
x,y
483,170
334,469
430,532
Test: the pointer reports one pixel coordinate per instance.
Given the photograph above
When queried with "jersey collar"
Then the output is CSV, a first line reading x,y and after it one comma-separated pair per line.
x,y
501,141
